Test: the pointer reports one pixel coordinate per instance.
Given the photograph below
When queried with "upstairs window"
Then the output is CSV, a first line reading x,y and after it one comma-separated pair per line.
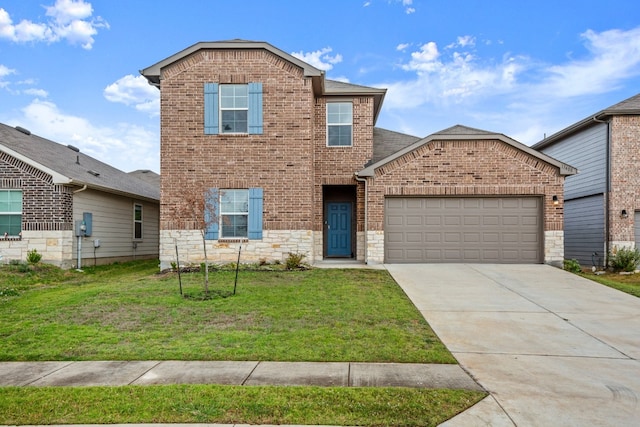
x,y
232,108
339,124
10,212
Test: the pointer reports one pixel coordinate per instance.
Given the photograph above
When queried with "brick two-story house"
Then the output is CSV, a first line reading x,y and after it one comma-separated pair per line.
x,y
602,207
285,160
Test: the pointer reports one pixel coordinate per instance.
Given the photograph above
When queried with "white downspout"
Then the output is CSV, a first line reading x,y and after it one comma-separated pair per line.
x,y
366,218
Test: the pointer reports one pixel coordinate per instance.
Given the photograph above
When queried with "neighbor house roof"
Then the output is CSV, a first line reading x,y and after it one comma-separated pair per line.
x,y
458,133
630,106
69,166
321,86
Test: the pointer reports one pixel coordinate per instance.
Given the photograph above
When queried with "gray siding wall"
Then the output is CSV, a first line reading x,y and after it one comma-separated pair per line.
x,y
584,230
586,151
113,225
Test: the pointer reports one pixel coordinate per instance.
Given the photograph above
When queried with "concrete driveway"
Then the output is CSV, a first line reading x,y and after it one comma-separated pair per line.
x,y
550,347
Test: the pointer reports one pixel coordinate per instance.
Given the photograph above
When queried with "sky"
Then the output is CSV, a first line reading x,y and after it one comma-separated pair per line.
x,y
69,69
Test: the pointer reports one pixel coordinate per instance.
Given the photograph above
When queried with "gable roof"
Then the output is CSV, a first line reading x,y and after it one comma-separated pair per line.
x,y
630,106
321,86
68,166
459,132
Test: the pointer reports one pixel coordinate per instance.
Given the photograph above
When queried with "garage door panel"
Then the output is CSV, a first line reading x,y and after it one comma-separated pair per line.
x,y
463,229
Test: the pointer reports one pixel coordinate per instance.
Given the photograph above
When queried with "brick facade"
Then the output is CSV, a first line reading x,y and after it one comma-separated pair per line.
x,y
47,211
290,161
469,168
45,206
298,173
625,181
280,161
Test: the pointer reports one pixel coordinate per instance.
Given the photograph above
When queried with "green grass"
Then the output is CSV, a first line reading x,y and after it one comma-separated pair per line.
x,y
224,404
128,312
629,283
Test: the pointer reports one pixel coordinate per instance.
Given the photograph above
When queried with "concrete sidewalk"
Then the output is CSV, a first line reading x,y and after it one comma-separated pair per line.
x,y
333,374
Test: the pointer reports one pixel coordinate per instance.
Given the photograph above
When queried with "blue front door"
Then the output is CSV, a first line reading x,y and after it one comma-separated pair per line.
x,y
339,229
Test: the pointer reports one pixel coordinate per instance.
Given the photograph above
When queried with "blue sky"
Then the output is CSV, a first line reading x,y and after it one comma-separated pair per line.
x,y
69,69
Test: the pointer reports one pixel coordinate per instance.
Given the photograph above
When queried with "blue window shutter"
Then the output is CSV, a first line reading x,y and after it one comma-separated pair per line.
x,y
255,108
255,213
210,108
211,213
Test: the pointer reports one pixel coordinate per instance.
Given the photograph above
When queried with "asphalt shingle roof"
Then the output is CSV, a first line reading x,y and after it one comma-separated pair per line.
x,y
80,169
387,142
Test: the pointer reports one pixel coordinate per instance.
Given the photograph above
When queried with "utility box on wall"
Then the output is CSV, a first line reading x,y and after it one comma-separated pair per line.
x,y
87,218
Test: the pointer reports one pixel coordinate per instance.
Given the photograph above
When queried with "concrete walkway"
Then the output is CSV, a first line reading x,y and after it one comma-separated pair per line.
x,y
334,374
551,347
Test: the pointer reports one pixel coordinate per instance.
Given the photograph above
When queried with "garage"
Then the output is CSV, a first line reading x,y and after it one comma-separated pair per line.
x,y
463,230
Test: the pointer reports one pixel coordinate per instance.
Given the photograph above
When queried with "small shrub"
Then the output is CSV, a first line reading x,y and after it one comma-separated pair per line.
x,y
294,261
33,257
572,266
624,259
174,266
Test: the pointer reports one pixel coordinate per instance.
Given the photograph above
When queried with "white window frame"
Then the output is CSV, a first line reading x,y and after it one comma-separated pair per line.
x,y
221,108
233,213
339,123
7,213
138,221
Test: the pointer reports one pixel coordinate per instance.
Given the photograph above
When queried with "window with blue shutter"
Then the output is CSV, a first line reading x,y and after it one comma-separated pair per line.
x,y
231,213
233,108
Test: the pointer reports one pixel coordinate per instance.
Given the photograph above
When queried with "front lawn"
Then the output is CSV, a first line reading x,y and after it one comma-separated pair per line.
x,y
629,283
128,312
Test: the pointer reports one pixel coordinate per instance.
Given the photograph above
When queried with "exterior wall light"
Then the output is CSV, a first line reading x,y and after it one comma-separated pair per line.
x,y
555,200
624,213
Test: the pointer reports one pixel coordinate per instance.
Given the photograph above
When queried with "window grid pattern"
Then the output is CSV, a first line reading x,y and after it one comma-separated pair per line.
x,y
10,212
339,124
234,108
234,213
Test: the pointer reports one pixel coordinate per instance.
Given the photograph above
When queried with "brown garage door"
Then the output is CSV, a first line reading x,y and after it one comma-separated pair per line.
x,y
463,229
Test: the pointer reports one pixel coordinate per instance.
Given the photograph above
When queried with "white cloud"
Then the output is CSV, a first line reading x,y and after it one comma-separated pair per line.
x,y
40,93
69,20
136,91
4,72
521,96
124,146
402,47
319,58
407,6
613,55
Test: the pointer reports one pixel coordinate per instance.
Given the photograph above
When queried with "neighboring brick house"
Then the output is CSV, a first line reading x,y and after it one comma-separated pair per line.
x,y
286,160
47,190
602,202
